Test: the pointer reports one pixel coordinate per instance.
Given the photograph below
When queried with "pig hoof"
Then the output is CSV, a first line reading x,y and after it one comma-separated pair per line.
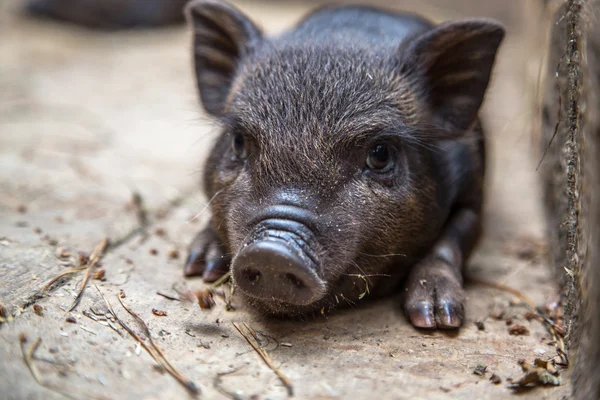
x,y
206,257
435,296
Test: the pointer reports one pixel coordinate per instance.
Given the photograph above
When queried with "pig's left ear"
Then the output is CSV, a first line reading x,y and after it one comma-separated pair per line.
x,y
456,60
223,35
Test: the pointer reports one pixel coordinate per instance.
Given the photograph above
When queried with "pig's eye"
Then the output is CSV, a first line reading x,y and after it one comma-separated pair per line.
x,y
238,145
380,158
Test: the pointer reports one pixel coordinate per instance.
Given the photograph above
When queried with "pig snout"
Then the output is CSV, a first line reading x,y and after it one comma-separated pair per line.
x,y
280,262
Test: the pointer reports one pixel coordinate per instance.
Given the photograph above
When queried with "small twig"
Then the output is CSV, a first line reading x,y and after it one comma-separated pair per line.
x,y
183,380
154,351
87,330
130,331
114,328
28,356
266,358
166,296
62,275
500,286
93,260
90,316
103,322
220,281
252,332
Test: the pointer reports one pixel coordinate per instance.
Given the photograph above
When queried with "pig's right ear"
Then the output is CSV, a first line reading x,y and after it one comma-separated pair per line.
x,y
223,35
454,62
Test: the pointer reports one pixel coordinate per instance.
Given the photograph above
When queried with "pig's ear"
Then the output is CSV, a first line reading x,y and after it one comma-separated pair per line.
x,y
223,35
455,60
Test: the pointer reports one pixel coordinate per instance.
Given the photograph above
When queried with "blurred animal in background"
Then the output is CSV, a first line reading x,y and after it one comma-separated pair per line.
x,y
110,14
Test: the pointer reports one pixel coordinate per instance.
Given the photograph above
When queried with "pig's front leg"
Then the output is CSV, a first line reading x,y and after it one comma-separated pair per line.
x,y
206,256
434,288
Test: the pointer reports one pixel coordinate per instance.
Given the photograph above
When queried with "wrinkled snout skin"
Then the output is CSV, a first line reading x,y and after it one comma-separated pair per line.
x,y
351,157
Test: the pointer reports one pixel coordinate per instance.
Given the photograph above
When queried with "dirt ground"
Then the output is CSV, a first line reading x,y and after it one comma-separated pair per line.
x,y
88,118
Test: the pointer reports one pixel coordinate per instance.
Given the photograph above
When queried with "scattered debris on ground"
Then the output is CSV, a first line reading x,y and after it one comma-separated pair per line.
x,y
38,310
99,275
159,313
205,299
3,313
51,241
551,315
62,253
480,370
536,374
518,330
85,263
153,350
83,257
529,315
228,299
495,379
103,319
92,207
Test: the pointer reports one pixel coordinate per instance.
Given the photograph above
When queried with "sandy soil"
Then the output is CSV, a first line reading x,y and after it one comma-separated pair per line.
x,y
88,118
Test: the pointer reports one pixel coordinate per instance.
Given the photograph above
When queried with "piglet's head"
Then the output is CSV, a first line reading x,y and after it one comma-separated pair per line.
x,y
323,176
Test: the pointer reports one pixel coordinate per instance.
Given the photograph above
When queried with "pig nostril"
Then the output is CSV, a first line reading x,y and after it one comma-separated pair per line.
x,y
270,270
252,275
295,281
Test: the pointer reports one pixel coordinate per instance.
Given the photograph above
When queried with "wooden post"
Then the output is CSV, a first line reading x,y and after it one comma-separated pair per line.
x,y
571,174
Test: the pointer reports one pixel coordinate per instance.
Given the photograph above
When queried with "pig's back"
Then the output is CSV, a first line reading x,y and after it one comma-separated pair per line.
x,y
359,25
